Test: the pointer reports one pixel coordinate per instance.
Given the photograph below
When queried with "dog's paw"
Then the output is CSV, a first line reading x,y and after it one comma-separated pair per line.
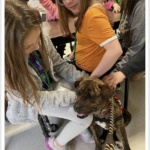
x,y
119,145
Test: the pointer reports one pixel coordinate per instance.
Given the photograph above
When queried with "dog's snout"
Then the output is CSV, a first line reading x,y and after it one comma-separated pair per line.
x,y
77,107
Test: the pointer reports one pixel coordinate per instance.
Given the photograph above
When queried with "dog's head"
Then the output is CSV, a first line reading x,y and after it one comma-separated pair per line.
x,y
92,95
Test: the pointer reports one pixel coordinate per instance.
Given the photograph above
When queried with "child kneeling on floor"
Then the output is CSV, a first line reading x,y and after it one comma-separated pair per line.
x,y
31,64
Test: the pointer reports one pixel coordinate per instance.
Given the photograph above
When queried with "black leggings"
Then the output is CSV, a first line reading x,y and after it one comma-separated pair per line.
x,y
107,73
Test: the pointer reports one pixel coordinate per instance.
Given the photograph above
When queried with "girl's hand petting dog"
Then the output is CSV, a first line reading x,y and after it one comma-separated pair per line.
x,y
113,79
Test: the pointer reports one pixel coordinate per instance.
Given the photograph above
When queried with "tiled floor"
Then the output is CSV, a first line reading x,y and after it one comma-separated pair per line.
x,y
30,137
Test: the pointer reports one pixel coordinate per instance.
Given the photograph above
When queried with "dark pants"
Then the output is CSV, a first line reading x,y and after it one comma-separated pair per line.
x,y
107,73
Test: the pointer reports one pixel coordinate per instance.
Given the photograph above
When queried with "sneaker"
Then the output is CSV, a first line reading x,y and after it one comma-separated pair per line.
x,y
49,143
87,137
118,87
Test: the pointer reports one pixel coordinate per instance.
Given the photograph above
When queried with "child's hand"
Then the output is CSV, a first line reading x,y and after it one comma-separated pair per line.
x,y
71,56
113,79
116,7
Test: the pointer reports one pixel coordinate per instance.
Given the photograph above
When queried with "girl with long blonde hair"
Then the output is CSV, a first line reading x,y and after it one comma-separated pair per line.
x,y
32,66
97,47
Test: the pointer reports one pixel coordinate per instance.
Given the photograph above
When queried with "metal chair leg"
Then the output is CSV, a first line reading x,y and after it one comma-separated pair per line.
x,y
126,93
71,47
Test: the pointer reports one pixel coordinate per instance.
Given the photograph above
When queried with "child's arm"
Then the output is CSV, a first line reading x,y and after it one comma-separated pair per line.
x,y
17,112
71,56
113,6
109,5
113,52
51,8
136,64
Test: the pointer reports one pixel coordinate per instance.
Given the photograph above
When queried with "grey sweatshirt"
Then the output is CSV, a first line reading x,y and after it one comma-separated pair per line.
x,y
136,64
17,113
133,33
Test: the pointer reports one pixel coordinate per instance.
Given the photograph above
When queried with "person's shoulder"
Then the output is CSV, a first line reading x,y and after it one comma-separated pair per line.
x,y
141,1
140,4
48,44
139,7
95,11
45,38
47,41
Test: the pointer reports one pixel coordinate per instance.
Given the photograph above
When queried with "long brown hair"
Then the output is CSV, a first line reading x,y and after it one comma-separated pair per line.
x,y
19,20
127,6
65,14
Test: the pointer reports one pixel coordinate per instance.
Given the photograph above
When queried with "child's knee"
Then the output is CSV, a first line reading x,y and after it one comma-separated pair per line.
x,y
87,121
90,119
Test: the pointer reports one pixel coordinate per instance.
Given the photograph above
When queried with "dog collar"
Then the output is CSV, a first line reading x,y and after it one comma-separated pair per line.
x,y
107,120
119,103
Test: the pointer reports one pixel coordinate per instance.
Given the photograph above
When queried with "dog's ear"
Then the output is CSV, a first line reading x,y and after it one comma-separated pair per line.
x,y
106,92
76,83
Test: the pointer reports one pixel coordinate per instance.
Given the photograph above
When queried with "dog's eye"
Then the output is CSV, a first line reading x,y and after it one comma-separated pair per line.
x,y
91,96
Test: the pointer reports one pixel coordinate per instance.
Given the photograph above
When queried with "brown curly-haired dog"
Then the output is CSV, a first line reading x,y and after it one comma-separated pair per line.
x,y
94,96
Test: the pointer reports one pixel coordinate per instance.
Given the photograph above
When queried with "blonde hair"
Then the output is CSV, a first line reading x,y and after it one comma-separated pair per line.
x,y
65,14
19,20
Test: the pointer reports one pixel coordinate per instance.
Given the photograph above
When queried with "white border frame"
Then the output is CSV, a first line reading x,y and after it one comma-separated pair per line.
x,y
147,74
2,77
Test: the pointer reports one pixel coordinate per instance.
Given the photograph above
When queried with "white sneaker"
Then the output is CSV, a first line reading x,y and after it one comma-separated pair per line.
x,y
87,137
49,143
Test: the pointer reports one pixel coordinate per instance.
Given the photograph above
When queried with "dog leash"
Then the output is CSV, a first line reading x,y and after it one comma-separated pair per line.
x,y
110,140
118,102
